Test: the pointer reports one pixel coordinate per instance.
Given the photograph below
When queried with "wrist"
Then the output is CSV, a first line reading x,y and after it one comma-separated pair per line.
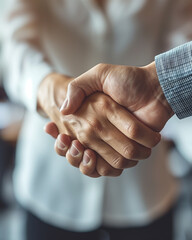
x,y
51,93
156,87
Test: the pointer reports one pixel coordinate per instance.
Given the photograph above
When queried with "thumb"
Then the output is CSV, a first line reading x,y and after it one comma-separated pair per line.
x,y
73,100
79,88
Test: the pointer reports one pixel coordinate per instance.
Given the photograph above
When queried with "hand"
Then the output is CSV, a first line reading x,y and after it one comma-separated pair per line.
x,y
99,124
136,88
75,152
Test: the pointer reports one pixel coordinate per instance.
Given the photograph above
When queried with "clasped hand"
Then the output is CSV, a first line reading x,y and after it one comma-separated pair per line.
x,y
99,125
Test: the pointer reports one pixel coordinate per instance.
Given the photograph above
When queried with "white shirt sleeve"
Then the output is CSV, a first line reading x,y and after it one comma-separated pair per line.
x,y
24,63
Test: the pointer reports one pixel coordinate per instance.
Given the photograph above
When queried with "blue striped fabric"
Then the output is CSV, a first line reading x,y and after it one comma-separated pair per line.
x,y
174,70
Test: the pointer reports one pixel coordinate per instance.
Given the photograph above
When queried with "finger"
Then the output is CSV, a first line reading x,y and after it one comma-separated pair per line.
x,y
132,127
126,147
93,167
51,129
88,164
105,169
111,156
79,88
62,144
75,153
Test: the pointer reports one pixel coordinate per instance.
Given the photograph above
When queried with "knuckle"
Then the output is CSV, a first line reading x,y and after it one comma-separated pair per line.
x,y
83,140
118,162
109,171
85,136
130,152
99,66
104,103
105,171
133,131
95,125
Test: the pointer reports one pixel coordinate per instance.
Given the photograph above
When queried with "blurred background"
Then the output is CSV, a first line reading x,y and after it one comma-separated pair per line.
x,y
11,116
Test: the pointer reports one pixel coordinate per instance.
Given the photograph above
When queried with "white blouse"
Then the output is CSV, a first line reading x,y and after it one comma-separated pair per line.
x,y
71,36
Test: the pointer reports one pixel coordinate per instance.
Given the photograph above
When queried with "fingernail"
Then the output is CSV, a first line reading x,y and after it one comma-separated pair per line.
x,y
86,159
65,104
74,151
60,145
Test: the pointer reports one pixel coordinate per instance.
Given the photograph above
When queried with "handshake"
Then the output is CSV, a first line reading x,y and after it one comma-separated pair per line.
x,y
110,119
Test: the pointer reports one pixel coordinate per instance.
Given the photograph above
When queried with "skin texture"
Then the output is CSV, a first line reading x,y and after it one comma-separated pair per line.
x,y
100,124
137,89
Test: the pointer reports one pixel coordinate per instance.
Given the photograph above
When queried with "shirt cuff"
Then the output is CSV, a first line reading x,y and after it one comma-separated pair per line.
x,y
174,70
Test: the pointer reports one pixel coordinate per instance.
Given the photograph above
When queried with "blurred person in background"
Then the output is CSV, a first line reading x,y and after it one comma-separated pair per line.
x,y
44,43
11,115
